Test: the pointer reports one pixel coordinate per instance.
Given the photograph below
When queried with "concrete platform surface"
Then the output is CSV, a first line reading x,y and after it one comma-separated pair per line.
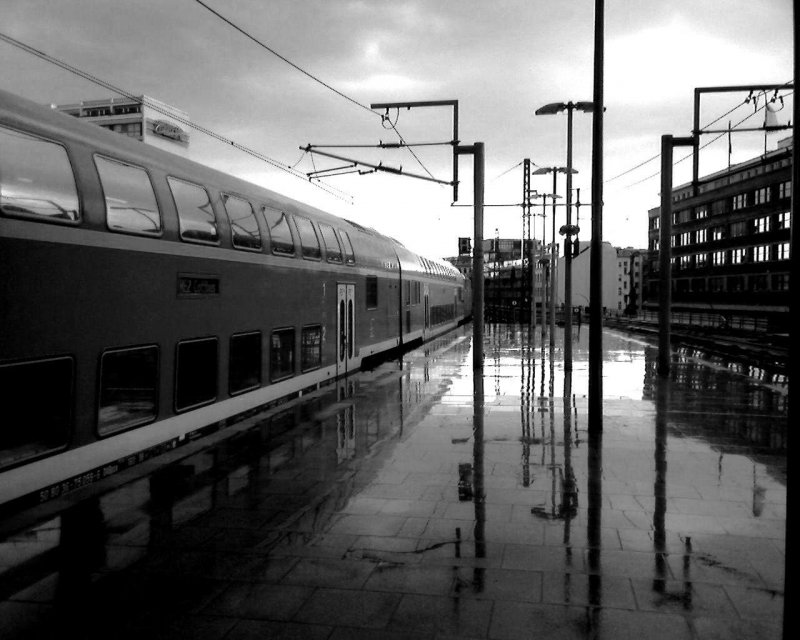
x,y
382,507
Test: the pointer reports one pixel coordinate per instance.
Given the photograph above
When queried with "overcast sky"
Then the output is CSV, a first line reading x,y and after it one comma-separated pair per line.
x,y
501,59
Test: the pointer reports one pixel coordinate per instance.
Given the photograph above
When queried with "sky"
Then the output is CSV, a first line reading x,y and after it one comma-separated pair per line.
x,y
501,59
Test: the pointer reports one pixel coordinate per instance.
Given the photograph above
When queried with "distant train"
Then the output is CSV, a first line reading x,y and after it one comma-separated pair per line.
x,y
144,297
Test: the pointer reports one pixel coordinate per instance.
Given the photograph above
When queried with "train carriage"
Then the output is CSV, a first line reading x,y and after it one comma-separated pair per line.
x,y
144,296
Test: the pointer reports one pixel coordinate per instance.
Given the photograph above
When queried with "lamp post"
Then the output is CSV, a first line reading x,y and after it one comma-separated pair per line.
x,y
568,229
553,256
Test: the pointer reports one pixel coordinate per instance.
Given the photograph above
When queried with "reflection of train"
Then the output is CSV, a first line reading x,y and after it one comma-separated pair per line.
x,y
144,296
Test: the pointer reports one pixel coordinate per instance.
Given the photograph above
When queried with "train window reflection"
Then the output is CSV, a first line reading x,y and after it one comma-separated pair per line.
x,y
195,214
279,231
332,248
244,227
372,292
36,178
195,373
349,256
130,201
244,364
311,348
128,388
309,243
281,360
37,408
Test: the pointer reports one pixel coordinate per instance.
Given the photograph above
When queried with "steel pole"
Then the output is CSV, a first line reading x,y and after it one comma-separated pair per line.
x,y
568,251
665,257
596,259
477,259
553,247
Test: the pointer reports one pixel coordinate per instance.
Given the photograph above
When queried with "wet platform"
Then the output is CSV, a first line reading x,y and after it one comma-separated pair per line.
x,y
370,510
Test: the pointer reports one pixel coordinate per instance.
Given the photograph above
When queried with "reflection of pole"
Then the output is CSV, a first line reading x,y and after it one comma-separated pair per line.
x,y
544,268
660,484
477,462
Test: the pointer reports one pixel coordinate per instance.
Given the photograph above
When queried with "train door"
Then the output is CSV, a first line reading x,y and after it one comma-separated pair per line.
x,y
345,328
427,323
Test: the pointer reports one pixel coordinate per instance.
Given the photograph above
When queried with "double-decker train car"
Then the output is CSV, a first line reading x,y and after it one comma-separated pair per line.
x,y
144,297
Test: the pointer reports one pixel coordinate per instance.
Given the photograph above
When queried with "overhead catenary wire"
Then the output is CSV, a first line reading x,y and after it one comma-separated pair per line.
x,y
337,193
658,155
712,141
313,77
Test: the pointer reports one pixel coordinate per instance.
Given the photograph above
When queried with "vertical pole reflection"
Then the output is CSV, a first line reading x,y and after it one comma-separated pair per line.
x,y
594,516
526,398
477,455
660,484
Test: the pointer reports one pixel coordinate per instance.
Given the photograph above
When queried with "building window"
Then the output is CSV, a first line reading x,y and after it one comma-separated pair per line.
x,y
719,207
780,282
758,282
784,220
701,212
279,232
740,201
762,195
735,283
128,388
738,228
129,197
718,233
37,407
701,235
716,284
785,189
36,178
195,373
761,253
309,243
333,250
685,262
783,251
700,259
372,292
654,223
761,225
281,358
686,238
244,226
674,241
311,348
196,217
718,258
738,256
244,362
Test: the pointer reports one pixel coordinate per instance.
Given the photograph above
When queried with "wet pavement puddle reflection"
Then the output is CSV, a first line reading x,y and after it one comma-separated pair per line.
x,y
417,501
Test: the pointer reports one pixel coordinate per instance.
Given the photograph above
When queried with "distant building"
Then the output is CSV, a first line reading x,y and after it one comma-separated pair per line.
x,y
730,242
144,118
622,278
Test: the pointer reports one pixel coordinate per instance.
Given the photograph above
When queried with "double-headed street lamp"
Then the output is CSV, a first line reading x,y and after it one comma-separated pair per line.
x,y
568,229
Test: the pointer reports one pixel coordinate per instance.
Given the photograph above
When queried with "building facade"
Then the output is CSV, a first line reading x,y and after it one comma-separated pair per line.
x,y
730,242
141,117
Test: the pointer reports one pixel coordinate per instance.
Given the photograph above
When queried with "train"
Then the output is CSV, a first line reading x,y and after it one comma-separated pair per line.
x,y
145,297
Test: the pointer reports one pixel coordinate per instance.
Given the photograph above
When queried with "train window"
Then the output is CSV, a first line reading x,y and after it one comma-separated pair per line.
x,y
37,408
130,200
332,248
244,362
279,231
128,388
407,293
244,227
349,256
36,178
281,358
195,214
372,292
311,348
195,373
309,243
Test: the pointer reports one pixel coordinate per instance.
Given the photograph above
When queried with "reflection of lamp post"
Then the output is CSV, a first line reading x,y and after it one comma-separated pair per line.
x,y
554,171
568,229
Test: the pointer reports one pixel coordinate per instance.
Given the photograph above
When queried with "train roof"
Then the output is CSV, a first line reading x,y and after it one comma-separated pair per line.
x,y
15,109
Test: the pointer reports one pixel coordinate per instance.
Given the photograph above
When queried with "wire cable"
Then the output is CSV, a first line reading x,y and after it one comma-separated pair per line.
x,y
155,107
315,79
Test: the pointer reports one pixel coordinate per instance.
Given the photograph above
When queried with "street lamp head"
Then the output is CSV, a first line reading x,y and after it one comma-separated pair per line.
x,y
550,109
586,107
